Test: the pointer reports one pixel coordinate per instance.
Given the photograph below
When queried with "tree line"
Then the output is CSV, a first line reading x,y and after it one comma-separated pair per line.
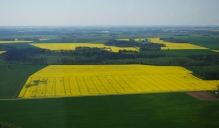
x,y
207,72
86,55
81,55
174,40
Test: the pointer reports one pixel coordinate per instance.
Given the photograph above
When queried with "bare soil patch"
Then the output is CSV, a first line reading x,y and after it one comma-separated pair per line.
x,y
202,95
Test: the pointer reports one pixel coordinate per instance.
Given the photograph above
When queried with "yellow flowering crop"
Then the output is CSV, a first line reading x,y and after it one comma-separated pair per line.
x,y
72,46
85,80
215,50
170,45
2,52
123,39
139,39
42,39
4,42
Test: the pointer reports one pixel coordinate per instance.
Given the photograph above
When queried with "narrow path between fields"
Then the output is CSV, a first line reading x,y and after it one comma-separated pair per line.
x,y
202,95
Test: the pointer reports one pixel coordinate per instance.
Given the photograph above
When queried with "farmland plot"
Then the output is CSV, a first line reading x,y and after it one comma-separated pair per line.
x,y
72,46
2,52
84,80
215,50
140,39
170,45
21,41
123,39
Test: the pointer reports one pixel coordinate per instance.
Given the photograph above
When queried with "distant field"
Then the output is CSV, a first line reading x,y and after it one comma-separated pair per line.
x,y
83,80
135,39
5,42
2,52
184,52
43,39
72,46
140,39
174,46
123,39
207,42
96,41
20,45
215,50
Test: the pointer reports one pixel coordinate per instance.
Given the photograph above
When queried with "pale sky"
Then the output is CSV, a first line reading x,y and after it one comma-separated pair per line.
x,y
108,12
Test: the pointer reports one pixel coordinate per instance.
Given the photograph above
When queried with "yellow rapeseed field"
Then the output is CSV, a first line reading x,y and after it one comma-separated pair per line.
x,y
5,42
123,39
72,46
2,52
139,39
85,80
215,50
170,45
42,39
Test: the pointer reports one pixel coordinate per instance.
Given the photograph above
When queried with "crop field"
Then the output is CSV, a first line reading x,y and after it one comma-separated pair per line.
x,y
2,52
170,45
42,39
5,42
139,39
203,41
118,111
127,39
215,50
12,80
123,39
85,80
169,110
72,46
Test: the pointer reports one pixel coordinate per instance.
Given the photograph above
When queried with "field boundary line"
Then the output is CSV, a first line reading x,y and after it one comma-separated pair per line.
x,y
86,85
142,82
63,83
69,85
160,83
134,76
133,82
102,83
94,84
76,78
118,83
126,83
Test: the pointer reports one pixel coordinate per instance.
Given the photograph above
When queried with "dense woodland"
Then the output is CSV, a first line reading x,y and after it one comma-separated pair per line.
x,y
82,55
207,72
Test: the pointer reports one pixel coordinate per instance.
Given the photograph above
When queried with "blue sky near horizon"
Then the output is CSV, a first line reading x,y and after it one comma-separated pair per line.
x,y
108,12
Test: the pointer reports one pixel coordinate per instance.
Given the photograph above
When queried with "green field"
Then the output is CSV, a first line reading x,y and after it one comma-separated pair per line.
x,y
117,111
208,42
12,80
19,45
183,53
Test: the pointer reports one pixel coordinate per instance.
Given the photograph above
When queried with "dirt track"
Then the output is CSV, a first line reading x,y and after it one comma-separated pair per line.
x,y
202,95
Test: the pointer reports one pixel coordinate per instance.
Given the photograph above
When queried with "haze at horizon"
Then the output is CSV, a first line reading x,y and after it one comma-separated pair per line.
x,y
108,12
